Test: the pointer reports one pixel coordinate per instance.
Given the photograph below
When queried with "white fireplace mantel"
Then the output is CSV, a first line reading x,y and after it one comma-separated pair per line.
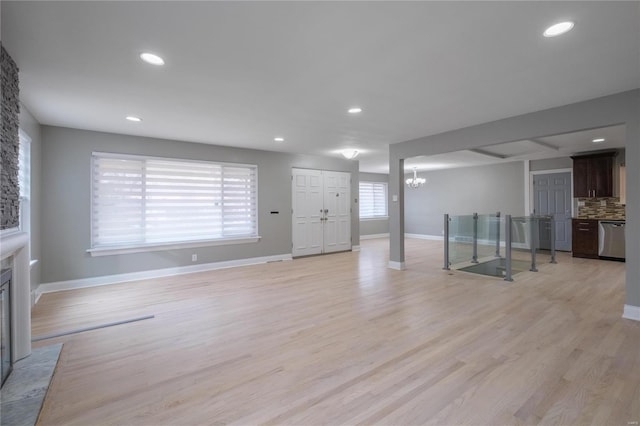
x,y
16,246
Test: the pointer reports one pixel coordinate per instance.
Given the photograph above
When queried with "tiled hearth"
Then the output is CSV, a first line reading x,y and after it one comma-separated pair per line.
x,y
24,391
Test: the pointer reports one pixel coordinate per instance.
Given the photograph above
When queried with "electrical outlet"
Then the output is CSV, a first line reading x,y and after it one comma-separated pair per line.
x,y
603,203
194,257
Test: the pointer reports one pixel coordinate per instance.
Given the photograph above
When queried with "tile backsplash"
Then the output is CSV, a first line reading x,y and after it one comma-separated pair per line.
x,y
593,208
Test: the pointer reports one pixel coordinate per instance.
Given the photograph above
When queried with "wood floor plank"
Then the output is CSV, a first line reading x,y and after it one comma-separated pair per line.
x,y
342,339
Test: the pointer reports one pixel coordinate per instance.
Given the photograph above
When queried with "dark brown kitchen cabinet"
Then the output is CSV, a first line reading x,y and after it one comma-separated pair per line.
x,y
585,238
593,175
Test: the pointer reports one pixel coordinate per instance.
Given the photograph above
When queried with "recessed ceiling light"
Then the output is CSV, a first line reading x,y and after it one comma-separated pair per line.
x,y
278,139
133,118
558,29
599,140
349,154
355,110
152,59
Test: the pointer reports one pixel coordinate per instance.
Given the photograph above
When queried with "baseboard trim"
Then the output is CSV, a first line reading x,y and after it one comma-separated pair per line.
x,y
374,236
441,238
399,266
480,242
156,273
35,296
425,237
631,312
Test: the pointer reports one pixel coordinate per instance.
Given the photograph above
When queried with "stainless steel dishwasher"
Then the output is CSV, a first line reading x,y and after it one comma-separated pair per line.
x,y
611,239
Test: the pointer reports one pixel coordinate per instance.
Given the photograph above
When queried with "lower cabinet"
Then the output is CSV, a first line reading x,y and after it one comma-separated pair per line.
x,y
585,238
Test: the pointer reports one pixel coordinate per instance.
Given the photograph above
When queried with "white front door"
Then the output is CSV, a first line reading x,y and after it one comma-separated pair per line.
x,y
337,211
321,211
307,214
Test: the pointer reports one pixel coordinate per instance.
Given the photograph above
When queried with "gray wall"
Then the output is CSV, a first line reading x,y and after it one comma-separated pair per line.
x,y
32,128
621,108
66,202
551,164
463,191
374,226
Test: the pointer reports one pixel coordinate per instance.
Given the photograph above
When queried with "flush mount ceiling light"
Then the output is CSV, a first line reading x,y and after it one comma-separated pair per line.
x,y
152,59
558,29
354,110
415,182
133,118
278,139
598,140
349,154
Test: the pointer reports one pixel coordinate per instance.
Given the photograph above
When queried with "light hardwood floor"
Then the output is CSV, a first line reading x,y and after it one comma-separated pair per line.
x,y
341,339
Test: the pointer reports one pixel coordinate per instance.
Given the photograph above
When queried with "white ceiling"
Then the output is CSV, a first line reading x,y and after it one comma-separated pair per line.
x,y
241,73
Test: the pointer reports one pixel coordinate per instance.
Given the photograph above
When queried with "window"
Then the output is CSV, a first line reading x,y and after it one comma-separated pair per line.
x,y
24,181
373,200
148,202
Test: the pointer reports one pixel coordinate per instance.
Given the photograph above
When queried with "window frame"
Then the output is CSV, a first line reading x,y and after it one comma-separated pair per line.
x,y
169,245
386,195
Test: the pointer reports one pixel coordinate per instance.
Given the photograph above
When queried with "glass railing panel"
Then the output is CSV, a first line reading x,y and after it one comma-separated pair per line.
x,y
490,235
533,239
460,239
474,238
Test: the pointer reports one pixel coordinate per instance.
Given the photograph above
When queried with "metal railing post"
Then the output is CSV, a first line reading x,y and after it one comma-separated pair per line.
x,y
475,238
498,234
507,249
535,239
553,239
446,242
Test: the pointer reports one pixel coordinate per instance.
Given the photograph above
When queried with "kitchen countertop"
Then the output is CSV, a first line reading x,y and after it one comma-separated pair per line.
x,y
601,218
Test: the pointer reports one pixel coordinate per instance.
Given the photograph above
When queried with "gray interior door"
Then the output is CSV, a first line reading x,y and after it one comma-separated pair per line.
x,y
552,197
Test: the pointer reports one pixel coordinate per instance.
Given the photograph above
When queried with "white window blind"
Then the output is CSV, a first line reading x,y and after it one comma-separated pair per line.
x,y
24,181
139,201
373,199
24,166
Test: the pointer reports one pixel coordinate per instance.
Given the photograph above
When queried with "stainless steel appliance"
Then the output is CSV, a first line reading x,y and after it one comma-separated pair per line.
x,y
611,239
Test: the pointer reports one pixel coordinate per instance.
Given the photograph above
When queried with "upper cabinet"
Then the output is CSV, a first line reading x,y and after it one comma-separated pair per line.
x,y
593,175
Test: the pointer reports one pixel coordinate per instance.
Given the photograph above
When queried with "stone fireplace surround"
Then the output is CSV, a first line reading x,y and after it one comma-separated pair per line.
x,y
14,246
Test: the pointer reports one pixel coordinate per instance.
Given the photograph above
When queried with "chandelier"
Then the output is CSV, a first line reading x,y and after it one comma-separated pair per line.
x,y
415,181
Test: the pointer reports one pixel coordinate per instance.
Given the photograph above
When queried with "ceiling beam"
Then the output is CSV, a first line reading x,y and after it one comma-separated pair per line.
x,y
543,144
488,154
